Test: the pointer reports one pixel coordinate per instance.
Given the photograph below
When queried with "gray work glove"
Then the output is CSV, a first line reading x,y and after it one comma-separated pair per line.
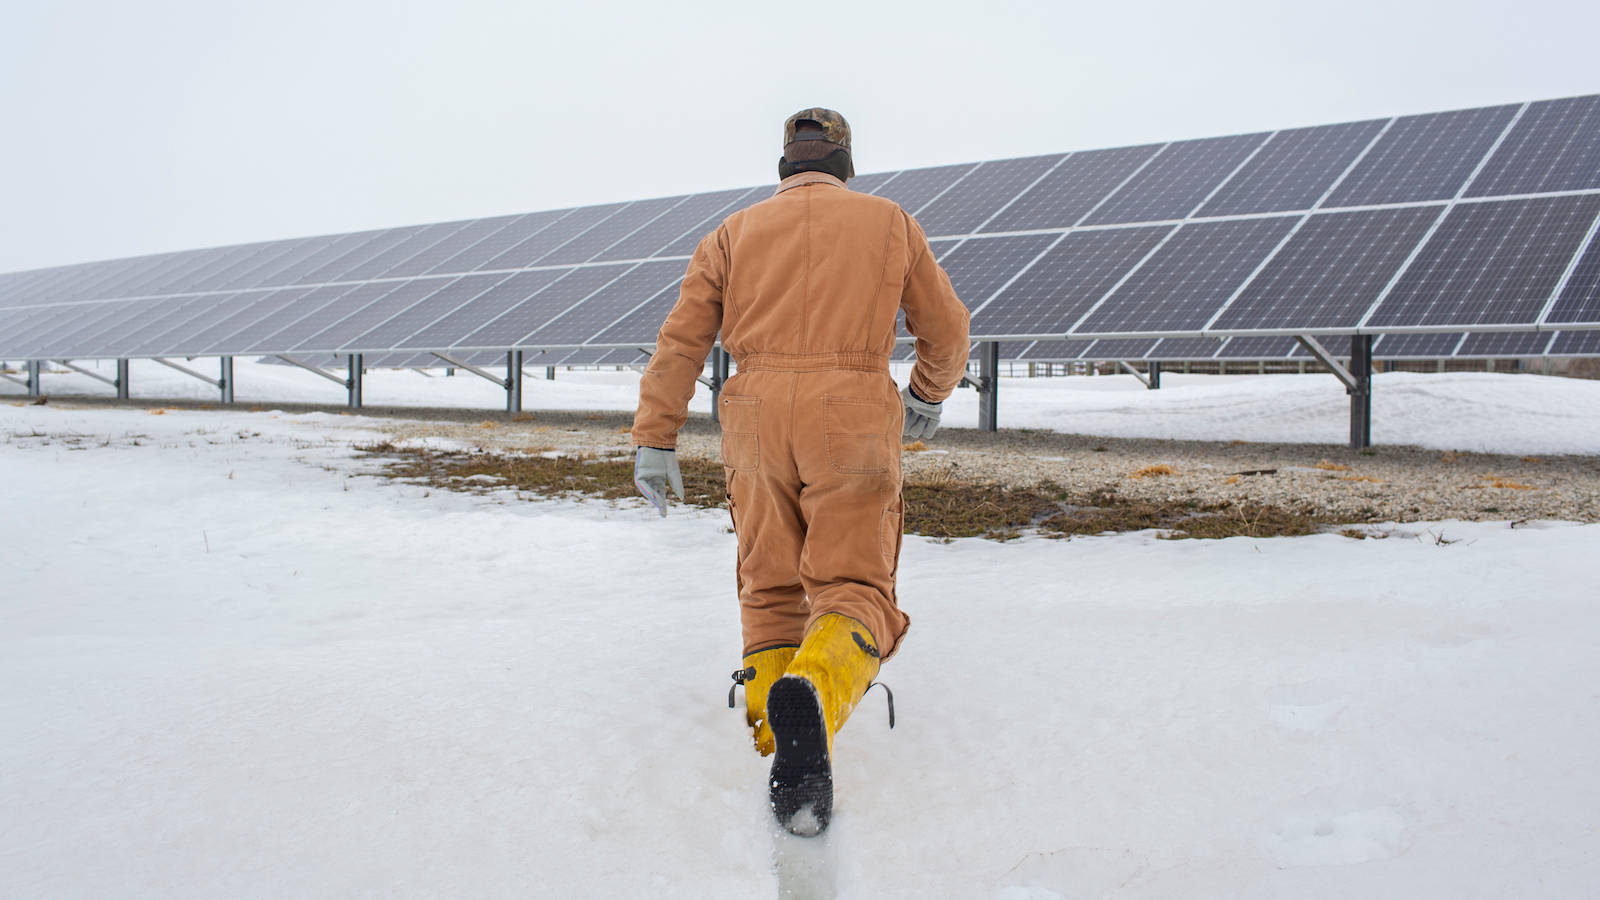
x,y
653,470
922,417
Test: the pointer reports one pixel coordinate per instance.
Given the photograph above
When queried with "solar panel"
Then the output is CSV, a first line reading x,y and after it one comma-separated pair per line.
x,y
610,303
101,281
485,251
293,267
694,215
581,356
76,342
1177,180
157,317
519,321
235,315
1504,344
338,336
1576,343
970,202
1185,348
1580,297
1426,157
1293,170
1066,281
341,268
468,235
383,264
1073,188
1417,345
1330,271
913,189
1261,348
298,317
59,320
639,327
1055,351
448,330
1007,349
615,227
1555,146
445,296
206,311
869,184
266,254
1119,349
559,232
981,266
1186,280
1490,263
222,260
139,282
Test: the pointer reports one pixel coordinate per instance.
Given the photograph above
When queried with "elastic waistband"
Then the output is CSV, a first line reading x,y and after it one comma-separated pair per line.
x,y
813,362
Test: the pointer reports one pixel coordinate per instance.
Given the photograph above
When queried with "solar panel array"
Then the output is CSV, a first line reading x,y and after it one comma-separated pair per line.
x,y
1479,220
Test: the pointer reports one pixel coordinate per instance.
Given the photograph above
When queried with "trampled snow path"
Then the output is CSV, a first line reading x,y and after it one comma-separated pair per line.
x,y
235,667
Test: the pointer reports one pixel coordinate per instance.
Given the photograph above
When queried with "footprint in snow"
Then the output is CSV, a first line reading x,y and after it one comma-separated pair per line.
x,y
1337,840
1304,708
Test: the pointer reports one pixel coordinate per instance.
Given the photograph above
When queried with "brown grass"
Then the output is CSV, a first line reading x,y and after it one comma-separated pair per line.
x,y
1154,471
914,447
1330,466
1495,481
941,503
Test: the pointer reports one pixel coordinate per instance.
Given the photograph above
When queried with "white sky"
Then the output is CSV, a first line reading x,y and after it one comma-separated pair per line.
x,y
136,128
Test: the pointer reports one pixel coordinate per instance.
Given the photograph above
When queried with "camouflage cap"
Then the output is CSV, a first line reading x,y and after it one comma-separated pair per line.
x,y
834,128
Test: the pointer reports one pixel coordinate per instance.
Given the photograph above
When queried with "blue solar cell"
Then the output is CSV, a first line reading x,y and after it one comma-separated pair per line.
x,y
234,315
559,232
1495,263
1183,284
340,268
869,184
1293,170
914,188
1579,303
1576,343
1504,344
1266,348
610,303
449,330
1412,346
77,342
1186,348
487,249
1330,273
1177,180
690,239
156,318
298,316
974,199
1119,349
1055,351
318,252
267,254
980,266
512,328
337,337
695,215
618,225
1069,279
1555,146
1425,157
384,264
1072,189
469,233
445,296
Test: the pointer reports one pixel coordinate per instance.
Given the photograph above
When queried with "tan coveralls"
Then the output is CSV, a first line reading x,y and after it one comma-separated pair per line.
x,y
805,287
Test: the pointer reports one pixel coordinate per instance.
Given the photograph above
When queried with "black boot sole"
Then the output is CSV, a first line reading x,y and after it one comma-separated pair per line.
x,y
801,785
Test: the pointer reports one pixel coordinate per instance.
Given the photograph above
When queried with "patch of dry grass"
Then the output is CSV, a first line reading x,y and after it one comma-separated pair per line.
x,y
1154,471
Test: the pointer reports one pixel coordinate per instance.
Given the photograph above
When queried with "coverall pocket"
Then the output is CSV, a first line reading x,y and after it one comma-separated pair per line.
x,y
857,436
740,417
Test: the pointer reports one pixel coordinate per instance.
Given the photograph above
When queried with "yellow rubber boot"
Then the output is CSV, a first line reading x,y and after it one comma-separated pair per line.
x,y
807,706
761,669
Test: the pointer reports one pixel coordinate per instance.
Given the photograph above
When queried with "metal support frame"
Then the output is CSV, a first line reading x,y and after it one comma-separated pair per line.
x,y
357,369
1128,367
315,371
1361,392
719,376
513,382
19,382
988,385
226,381
1153,375
214,382
123,384
1357,381
549,373
34,371
85,372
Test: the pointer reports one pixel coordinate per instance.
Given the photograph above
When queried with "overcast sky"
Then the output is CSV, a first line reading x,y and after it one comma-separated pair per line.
x,y
134,128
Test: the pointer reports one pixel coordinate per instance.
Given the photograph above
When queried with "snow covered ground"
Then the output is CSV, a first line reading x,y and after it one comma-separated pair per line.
x,y
235,666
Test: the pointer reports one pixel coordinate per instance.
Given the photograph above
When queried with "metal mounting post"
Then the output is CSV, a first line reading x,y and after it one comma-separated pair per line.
x,y
549,373
225,383
513,381
719,375
1128,367
1153,375
33,378
1361,391
988,385
353,383
87,373
213,381
122,379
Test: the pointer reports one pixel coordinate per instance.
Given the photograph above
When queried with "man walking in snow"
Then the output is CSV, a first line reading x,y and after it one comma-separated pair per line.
x,y
804,288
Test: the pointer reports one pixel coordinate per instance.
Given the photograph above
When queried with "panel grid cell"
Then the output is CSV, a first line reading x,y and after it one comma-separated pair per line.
x,y
1425,157
1055,351
1504,344
466,235
480,310
157,317
1072,189
450,295
978,196
235,315
1070,278
1579,302
383,265
78,342
208,310
686,243
339,269
62,320
1293,170
640,327
615,227
478,255
543,241
914,188
1331,271
1263,348
301,314
1555,146
1576,343
1182,285
610,303
689,216
980,266
337,337
327,248
869,184
1176,180
1180,349
1493,263
518,322
1119,349
269,254
1416,345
